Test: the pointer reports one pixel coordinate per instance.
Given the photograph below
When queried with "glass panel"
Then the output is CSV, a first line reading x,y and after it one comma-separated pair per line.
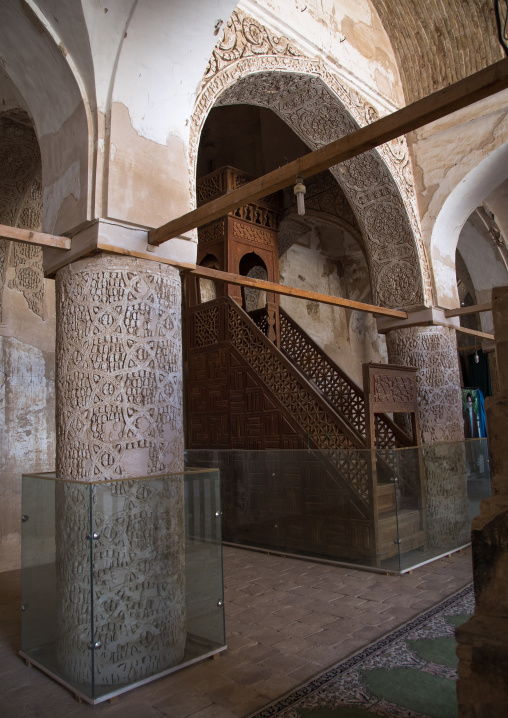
x,y
203,564
122,580
391,509
55,554
456,478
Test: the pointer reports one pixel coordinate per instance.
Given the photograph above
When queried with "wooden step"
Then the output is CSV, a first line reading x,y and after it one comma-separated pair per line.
x,y
409,533
386,498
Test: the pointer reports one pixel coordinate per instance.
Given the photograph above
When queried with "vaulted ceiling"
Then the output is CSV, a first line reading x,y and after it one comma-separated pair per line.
x,y
437,42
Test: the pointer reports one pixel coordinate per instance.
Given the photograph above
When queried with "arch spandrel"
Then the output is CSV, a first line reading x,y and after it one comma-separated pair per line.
x,y
259,68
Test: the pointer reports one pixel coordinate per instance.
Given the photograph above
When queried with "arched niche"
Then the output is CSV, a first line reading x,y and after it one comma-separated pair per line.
x,y
477,184
251,265
262,69
56,96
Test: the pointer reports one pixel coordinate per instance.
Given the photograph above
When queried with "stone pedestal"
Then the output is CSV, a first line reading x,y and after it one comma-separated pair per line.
x,y
482,688
119,416
433,351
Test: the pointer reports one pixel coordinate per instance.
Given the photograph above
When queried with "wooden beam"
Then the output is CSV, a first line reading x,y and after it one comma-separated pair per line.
x,y
461,94
463,330
468,310
29,237
238,280
471,347
294,292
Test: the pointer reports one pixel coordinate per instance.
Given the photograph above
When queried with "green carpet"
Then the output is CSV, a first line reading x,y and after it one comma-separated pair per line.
x,y
411,672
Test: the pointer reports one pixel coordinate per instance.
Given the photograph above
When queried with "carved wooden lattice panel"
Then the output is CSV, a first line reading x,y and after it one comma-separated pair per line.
x,y
308,502
317,366
339,389
318,423
206,327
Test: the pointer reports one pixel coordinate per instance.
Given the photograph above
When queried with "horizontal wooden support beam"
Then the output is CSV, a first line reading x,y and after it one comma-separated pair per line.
x,y
470,348
472,332
461,94
474,309
30,237
294,292
238,280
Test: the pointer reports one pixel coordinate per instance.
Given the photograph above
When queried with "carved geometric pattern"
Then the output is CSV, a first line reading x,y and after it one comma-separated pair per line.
x,y
318,423
263,69
244,37
220,182
139,615
340,390
209,187
254,234
257,215
393,389
21,204
29,277
211,232
318,117
325,195
433,351
206,327
119,370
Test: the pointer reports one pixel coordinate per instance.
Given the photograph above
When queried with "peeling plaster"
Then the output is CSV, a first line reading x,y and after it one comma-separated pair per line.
x,y
66,187
134,163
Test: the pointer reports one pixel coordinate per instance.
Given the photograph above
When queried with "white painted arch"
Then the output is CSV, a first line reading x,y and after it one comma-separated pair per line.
x,y
475,186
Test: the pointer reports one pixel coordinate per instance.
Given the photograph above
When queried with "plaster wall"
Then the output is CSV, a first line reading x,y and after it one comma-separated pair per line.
x,y
9,96
497,202
486,268
161,61
458,161
56,99
347,35
328,260
27,408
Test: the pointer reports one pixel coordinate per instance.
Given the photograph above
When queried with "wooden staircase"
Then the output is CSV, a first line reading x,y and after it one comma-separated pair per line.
x,y
244,393
398,528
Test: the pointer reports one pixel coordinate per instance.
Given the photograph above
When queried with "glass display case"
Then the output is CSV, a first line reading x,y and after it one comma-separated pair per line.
x,y
121,580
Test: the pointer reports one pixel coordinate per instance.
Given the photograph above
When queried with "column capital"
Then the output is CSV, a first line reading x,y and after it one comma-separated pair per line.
x,y
427,317
91,237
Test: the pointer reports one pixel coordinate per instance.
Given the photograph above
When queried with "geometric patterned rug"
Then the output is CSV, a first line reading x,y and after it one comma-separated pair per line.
x,y
408,673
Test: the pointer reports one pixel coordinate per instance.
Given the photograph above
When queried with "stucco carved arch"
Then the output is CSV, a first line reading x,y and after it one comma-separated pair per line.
x,y
253,66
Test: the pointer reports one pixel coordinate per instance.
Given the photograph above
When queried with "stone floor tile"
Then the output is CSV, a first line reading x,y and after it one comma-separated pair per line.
x,y
322,655
284,663
238,699
261,662
183,704
248,674
215,711
276,686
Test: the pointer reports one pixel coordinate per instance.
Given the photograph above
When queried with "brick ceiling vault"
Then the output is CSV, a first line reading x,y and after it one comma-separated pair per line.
x,y
438,42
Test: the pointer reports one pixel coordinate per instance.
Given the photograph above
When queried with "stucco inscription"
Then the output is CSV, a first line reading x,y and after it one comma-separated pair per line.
x,y
28,275
138,588
119,380
119,416
433,351
21,206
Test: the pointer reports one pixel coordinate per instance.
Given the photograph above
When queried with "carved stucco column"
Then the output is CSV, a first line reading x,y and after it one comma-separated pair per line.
x,y
482,688
433,350
119,416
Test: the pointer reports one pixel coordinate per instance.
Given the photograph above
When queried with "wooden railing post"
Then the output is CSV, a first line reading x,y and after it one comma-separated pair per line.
x,y
370,441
